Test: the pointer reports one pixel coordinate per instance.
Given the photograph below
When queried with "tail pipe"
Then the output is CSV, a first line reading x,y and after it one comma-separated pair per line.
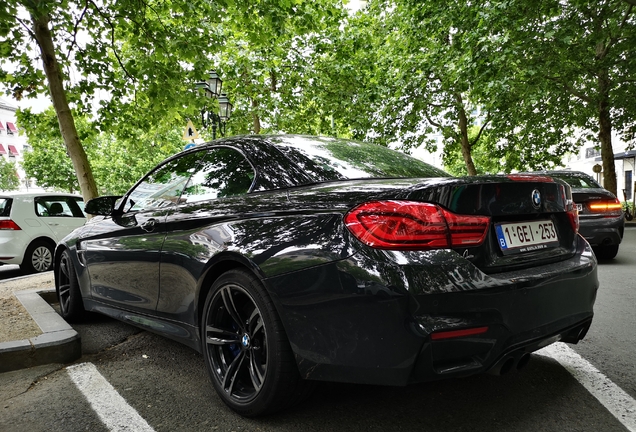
x,y
514,361
517,360
577,333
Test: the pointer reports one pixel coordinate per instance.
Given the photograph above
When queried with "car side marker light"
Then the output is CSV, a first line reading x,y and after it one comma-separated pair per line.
x,y
458,333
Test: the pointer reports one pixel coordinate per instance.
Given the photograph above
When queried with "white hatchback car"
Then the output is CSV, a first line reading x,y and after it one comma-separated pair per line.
x,y
31,224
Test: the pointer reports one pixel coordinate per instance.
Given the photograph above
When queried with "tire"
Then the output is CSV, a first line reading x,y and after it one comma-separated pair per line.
x,y
38,257
68,291
246,350
606,252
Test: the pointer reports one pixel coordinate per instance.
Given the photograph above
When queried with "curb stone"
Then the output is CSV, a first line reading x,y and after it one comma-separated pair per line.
x,y
58,343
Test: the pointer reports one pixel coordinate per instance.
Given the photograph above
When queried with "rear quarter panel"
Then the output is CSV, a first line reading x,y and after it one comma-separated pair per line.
x,y
261,231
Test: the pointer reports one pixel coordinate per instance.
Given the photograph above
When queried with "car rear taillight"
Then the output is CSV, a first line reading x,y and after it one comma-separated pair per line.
x,y
609,206
450,334
410,225
9,225
573,217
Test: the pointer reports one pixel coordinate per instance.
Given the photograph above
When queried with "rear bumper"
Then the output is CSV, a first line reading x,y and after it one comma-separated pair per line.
x,y
517,323
363,320
11,248
603,231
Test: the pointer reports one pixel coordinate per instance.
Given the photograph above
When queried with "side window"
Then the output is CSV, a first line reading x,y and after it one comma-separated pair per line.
x,y
222,172
163,186
52,206
5,206
79,202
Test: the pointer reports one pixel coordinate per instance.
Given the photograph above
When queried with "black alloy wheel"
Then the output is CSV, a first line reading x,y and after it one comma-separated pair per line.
x,y
245,347
68,292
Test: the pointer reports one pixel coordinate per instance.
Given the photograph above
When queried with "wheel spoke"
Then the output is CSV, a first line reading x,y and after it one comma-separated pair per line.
x,y
255,322
65,297
217,336
231,375
65,290
255,372
64,268
228,301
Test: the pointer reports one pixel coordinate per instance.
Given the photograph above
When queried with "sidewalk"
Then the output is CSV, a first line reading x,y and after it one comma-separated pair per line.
x,y
32,333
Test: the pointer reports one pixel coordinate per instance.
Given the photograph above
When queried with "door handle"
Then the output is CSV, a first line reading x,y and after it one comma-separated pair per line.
x,y
149,225
53,224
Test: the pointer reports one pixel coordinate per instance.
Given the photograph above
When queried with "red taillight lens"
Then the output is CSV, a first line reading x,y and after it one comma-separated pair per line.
x,y
458,333
410,225
574,220
573,217
611,206
9,225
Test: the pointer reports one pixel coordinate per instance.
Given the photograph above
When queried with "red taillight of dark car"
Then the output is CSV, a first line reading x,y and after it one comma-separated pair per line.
x,y
450,334
411,225
9,225
573,216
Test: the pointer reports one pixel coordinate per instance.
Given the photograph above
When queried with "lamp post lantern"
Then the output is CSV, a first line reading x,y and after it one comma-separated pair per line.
x,y
212,90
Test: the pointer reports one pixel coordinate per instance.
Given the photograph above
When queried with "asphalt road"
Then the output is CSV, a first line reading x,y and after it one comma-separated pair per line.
x,y
167,386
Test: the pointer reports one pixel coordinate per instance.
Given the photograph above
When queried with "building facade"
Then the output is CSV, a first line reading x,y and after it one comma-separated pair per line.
x,y
12,143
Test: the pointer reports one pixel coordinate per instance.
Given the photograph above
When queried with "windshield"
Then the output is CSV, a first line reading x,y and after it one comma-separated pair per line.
x,y
578,181
325,159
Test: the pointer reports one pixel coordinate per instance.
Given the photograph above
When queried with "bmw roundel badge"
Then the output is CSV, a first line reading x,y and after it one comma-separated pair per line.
x,y
536,198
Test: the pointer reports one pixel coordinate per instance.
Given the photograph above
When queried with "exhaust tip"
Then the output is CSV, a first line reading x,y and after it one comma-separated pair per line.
x,y
507,366
523,361
504,366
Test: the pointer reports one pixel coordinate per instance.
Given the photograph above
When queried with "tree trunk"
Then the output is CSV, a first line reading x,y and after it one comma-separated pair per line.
x,y
463,131
256,119
64,115
605,133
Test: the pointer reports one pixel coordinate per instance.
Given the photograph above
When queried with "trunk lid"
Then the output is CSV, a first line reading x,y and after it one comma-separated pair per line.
x,y
520,208
585,198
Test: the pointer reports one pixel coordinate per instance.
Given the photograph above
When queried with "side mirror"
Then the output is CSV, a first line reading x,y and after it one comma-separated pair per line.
x,y
101,206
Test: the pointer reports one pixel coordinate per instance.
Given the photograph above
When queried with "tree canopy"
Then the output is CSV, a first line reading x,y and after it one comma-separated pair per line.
x,y
9,179
501,86
530,77
117,163
142,56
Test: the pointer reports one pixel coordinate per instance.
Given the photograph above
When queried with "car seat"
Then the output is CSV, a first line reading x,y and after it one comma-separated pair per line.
x,y
56,209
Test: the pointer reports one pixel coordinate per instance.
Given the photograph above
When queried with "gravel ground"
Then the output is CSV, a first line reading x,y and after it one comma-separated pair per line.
x,y
15,321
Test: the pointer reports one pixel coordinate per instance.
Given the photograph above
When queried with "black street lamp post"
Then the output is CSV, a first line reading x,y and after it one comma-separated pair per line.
x,y
212,90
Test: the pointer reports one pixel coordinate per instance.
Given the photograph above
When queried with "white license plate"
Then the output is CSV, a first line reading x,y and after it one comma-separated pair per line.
x,y
579,207
526,236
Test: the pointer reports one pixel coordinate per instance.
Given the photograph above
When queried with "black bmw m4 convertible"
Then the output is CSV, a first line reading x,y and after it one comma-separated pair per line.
x,y
287,260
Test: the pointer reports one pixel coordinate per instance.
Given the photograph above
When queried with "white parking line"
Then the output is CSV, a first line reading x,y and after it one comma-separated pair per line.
x,y
111,408
117,415
620,404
